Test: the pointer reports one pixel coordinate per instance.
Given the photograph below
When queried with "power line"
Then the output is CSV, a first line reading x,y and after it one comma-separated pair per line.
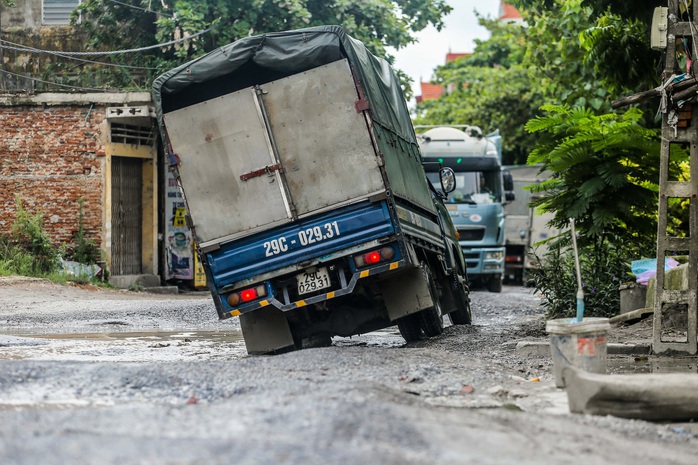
x,y
142,9
131,50
53,83
24,48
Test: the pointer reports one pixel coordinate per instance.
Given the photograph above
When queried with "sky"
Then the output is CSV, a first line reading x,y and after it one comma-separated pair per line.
x,y
461,29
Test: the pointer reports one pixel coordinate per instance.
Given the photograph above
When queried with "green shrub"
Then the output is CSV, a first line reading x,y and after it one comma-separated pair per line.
x,y
604,267
85,249
29,251
28,236
14,260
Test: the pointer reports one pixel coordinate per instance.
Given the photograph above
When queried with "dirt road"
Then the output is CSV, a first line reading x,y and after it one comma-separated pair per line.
x,y
112,377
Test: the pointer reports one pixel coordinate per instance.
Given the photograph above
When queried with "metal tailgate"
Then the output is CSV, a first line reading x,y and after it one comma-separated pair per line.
x,y
217,142
322,141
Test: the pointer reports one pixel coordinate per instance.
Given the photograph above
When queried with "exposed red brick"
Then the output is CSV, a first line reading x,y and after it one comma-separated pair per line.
x,y
51,158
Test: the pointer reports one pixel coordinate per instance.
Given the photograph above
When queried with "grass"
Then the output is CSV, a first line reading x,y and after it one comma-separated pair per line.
x,y
16,261
30,252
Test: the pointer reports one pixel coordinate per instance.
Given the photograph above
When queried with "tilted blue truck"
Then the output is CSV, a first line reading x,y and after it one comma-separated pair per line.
x,y
476,206
306,193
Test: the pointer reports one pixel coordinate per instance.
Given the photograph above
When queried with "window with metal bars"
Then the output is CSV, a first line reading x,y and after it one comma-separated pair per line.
x,y
132,135
57,12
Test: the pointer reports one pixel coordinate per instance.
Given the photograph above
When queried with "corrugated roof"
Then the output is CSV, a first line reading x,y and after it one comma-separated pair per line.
x,y
454,56
429,91
507,11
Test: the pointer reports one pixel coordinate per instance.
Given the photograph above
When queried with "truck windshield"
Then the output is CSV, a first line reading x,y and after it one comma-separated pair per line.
x,y
473,187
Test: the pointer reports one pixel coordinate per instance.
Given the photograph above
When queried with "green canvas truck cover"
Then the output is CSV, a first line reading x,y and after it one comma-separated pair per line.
x,y
268,57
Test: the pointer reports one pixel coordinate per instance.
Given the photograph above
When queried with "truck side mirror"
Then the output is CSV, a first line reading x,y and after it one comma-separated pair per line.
x,y
509,196
448,180
508,181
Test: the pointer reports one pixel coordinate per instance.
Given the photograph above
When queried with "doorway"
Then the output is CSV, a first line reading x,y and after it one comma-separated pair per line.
x,y
127,216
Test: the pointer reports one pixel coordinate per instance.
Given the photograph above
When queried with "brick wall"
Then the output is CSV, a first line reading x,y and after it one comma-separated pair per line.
x,y
52,157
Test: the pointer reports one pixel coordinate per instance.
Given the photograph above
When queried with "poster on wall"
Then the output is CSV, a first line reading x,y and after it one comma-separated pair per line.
x,y
179,244
199,273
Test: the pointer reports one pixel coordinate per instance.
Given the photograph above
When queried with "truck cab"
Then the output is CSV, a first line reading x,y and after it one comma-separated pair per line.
x,y
476,206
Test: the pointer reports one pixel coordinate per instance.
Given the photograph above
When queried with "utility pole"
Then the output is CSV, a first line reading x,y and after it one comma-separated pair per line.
x,y
680,127
2,58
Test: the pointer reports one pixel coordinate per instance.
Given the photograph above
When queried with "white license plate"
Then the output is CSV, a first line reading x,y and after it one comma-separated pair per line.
x,y
313,281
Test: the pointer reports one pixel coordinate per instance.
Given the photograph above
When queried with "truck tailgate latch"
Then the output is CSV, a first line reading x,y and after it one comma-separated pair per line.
x,y
360,105
261,172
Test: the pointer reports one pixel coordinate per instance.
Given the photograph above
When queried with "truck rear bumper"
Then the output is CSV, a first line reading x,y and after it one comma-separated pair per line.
x,y
346,287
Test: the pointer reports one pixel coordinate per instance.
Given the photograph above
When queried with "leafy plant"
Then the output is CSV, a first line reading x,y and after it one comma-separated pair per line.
x,y
14,260
605,172
29,235
28,251
604,267
379,24
86,250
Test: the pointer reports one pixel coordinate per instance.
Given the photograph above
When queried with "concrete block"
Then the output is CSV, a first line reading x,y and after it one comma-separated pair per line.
x,y
533,348
128,281
632,297
674,279
162,290
638,348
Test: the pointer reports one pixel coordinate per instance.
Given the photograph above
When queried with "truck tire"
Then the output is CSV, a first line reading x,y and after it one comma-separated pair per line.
x,y
314,341
410,327
462,314
494,285
432,321
432,317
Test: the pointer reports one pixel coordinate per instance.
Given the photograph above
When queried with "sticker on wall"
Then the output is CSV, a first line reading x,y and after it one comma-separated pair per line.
x,y
179,217
179,243
199,274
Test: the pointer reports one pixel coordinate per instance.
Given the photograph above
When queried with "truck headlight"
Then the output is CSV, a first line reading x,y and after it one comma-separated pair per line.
x,y
497,255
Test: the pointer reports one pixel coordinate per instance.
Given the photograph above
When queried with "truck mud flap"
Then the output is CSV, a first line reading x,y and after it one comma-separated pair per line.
x,y
266,331
407,293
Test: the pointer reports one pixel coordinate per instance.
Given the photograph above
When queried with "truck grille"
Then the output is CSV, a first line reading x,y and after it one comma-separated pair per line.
x,y
471,234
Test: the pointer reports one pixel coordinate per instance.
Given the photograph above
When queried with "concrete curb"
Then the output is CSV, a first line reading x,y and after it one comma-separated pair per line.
x,y
162,290
542,349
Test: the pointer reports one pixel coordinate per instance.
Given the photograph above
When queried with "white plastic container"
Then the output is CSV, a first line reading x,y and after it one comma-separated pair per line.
x,y
578,344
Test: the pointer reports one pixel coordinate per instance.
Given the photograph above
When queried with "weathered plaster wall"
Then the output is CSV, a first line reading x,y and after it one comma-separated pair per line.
x,y
25,15
21,25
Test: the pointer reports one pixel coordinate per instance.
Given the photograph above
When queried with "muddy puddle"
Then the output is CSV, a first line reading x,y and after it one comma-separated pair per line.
x,y
152,336
150,346
652,364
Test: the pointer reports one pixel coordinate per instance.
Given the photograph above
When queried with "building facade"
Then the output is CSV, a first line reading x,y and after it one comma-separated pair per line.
x,y
90,156
80,155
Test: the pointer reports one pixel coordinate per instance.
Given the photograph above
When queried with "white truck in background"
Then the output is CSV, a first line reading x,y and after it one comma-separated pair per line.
x,y
526,227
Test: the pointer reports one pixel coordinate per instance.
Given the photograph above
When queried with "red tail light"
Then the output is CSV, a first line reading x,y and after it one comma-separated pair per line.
x,y
374,256
246,295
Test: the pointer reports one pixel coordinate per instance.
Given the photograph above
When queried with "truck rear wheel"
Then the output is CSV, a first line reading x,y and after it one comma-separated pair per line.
x,y
432,321
462,314
432,317
410,327
494,284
